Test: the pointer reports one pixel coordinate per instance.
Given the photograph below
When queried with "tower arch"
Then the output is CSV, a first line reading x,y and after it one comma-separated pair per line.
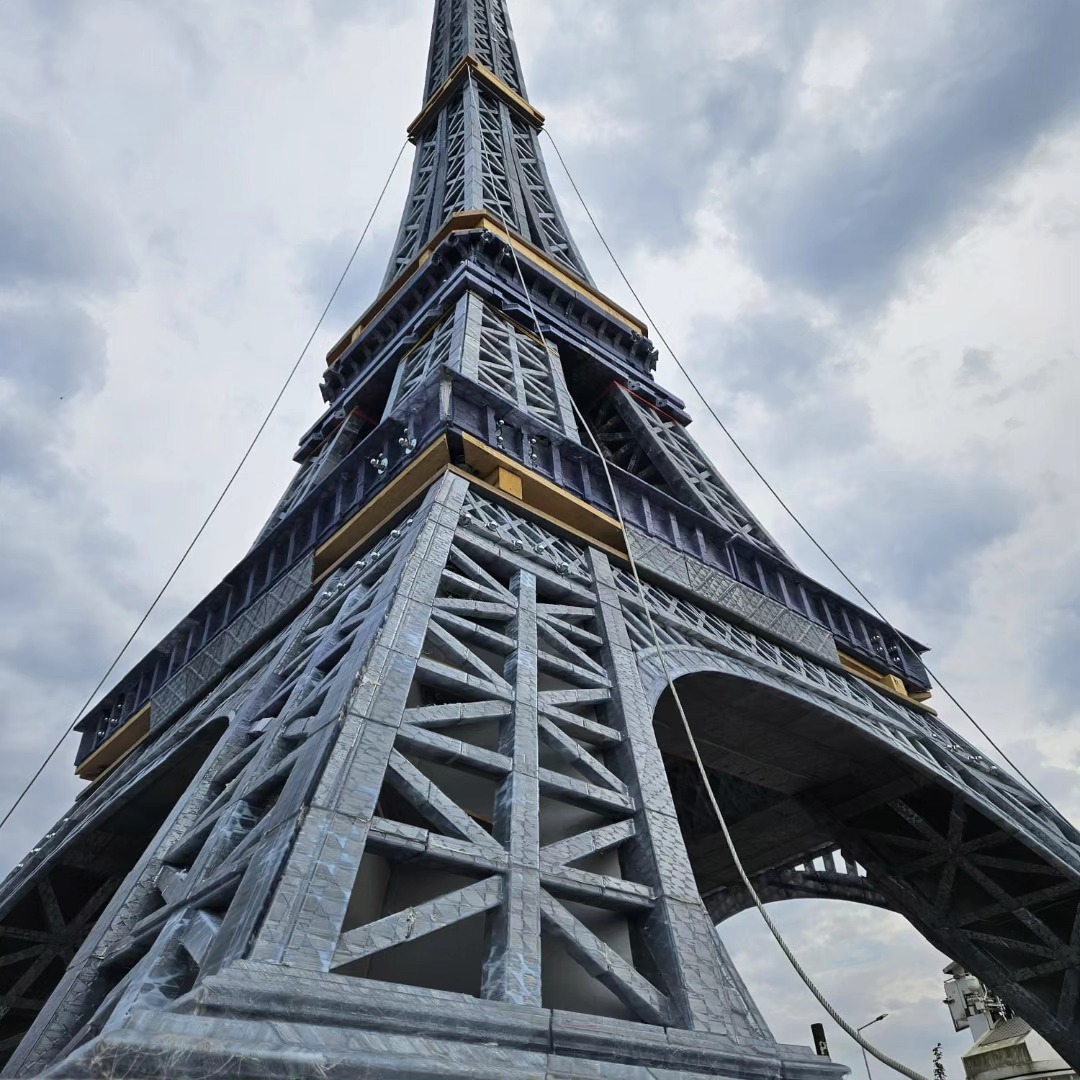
x,y
806,762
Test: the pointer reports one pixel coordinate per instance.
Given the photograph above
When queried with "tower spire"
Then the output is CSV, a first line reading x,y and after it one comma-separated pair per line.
x,y
477,147
477,28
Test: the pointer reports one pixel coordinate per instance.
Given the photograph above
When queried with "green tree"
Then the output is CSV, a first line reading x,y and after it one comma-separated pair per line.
x,y
939,1065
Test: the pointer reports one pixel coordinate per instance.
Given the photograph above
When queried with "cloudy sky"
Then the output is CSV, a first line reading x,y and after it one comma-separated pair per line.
x,y
857,223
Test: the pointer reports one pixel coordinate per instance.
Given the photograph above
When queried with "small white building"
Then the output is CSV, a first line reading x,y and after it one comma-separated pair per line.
x,y
1006,1047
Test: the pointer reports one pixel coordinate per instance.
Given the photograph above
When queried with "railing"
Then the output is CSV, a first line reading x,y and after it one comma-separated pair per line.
x,y
371,465
418,422
664,518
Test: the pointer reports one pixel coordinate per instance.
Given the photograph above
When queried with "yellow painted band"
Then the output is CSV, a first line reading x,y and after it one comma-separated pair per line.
x,y
482,75
116,746
467,221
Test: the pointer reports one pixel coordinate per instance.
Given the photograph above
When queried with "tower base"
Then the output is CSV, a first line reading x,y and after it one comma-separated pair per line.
x,y
260,1022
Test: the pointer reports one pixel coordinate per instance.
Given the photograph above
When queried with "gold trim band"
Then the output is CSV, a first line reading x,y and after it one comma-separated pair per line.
x,y
483,75
468,221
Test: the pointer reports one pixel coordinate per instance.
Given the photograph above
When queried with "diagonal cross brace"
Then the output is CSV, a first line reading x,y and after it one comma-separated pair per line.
x,y
417,922
604,963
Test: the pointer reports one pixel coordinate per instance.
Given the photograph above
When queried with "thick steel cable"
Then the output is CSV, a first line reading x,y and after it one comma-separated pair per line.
x,y
847,1028
217,502
776,495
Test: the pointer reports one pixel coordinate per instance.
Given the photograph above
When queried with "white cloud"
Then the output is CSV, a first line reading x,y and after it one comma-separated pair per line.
x,y
826,207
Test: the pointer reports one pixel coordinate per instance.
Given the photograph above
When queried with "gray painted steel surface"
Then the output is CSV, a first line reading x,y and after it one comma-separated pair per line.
x,y
427,812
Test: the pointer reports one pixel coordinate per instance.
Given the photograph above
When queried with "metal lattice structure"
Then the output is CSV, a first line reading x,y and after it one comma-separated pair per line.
x,y
477,141
404,795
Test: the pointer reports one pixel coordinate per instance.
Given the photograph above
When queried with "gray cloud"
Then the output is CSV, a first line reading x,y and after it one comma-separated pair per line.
x,y
690,115
27,456
782,355
1058,657
68,645
843,219
1027,385
794,369
837,206
977,366
54,230
916,532
331,15
320,263
49,355
1062,218
51,350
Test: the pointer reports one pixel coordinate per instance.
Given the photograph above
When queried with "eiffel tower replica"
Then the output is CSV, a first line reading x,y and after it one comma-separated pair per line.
x,y
406,794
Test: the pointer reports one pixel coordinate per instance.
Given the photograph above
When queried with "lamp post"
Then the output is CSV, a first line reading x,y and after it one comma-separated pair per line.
x,y
866,1060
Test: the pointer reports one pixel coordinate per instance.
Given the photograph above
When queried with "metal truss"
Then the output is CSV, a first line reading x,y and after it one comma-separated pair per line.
x,y
483,344
983,890
476,152
518,366
180,917
456,185
498,193
457,703
656,447
980,866
416,805
101,837
416,228
454,702
510,685
480,28
413,370
31,951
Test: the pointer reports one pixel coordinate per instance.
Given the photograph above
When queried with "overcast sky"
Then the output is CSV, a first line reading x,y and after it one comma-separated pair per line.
x,y
857,222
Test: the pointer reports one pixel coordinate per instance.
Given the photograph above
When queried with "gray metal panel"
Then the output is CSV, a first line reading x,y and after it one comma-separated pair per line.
x,y
452,749
477,154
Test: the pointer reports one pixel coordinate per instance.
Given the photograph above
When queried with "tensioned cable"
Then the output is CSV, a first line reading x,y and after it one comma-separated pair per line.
x,y
849,1029
775,494
217,503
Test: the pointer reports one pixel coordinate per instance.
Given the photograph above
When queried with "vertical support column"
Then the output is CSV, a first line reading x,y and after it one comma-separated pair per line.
x,y
307,910
472,150
562,396
518,364
442,345
513,175
401,375
467,361
678,932
512,967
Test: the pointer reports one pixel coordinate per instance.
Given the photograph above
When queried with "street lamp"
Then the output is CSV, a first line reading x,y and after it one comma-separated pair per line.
x,y
866,1060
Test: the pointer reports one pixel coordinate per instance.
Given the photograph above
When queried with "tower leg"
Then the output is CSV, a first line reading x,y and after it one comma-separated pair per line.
x,y
448,847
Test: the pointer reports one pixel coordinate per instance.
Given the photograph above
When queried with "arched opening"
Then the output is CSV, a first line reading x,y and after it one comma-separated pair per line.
x,y
867,961
45,922
778,766
781,768
986,874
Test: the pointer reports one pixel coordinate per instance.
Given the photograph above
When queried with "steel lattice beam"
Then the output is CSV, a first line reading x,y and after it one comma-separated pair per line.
x,y
404,794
